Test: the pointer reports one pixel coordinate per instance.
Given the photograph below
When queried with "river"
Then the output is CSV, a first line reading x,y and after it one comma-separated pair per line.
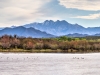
x,y
49,64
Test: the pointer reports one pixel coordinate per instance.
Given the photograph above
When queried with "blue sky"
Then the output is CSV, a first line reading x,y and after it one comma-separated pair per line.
x,y
20,12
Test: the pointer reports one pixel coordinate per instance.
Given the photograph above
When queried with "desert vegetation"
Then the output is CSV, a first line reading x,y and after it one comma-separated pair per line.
x,y
14,43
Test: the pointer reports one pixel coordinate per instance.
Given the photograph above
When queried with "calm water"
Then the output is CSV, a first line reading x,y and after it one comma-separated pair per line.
x,y
49,64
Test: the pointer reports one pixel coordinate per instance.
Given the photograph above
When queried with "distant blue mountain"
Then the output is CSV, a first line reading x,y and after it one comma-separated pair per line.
x,y
93,30
58,27
48,28
25,32
62,28
77,35
1,28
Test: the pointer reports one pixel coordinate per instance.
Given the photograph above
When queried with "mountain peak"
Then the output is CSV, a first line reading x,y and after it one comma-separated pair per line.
x,y
58,27
48,21
25,32
13,26
58,21
51,22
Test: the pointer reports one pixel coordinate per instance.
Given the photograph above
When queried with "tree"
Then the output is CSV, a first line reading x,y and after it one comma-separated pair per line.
x,y
5,42
29,45
15,42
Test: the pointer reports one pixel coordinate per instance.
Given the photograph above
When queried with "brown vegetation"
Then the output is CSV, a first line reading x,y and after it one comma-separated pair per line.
x,y
62,43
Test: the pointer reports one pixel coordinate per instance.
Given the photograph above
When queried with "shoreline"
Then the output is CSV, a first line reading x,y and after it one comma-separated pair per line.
x,y
48,53
58,51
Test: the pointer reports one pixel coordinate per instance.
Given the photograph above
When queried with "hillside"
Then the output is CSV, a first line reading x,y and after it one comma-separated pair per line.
x,y
26,32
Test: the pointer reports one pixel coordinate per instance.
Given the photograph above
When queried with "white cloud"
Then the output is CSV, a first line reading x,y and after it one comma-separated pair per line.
x,y
91,16
92,5
17,12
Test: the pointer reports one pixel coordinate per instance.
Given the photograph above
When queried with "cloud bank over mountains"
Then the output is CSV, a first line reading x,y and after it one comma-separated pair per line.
x,y
91,16
20,12
87,5
93,5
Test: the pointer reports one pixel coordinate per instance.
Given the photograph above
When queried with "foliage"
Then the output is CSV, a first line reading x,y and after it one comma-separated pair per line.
x,y
62,43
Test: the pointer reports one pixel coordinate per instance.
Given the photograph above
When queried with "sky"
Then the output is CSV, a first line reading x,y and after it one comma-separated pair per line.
x,y
19,12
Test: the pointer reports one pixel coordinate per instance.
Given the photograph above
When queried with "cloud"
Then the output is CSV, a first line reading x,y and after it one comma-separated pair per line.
x,y
91,16
16,12
91,5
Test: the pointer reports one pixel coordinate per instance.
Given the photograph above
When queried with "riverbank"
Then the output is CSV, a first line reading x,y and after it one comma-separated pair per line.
x,y
47,51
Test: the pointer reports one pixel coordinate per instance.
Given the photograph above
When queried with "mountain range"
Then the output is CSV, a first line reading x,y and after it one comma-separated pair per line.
x,y
59,28
25,32
50,28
